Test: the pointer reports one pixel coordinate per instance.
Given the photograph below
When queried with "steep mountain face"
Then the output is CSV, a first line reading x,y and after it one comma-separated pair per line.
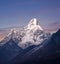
x,y
34,24
8,51
32,34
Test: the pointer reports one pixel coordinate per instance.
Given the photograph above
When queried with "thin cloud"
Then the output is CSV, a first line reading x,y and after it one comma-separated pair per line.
x,y
55,24
53,27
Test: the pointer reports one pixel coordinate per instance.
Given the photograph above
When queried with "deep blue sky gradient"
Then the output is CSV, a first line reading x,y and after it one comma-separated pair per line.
x,y
20,12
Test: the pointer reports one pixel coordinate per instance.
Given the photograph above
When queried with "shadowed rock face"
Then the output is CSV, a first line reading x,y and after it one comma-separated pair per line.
x,y
56,37
8,51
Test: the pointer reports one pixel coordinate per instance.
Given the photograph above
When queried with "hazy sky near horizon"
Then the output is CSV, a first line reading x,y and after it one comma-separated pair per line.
x,y
20,12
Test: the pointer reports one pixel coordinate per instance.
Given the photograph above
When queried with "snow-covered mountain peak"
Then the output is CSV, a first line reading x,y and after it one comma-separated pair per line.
x,y
32,34
33,21
14,31
34,24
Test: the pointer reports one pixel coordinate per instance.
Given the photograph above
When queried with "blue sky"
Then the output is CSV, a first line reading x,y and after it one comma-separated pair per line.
x,y
20,12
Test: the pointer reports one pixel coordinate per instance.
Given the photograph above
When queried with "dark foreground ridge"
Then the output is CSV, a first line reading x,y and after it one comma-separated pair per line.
x,y
46,53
